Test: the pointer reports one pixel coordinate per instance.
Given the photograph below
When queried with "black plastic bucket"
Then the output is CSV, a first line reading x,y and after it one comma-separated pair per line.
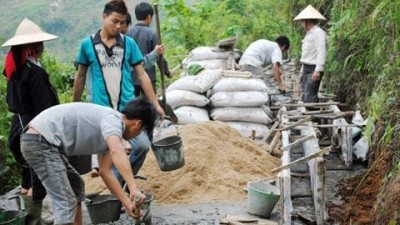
x,y
103,208
169,153
13,217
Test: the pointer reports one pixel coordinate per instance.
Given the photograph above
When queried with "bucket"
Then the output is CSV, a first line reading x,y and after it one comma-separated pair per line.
x,y
14,217
103,208
261,198
145,210
169,153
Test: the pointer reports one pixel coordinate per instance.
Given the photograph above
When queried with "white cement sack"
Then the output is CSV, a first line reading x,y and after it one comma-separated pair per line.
x,y
199,83
190,115
177,98
231,84
246,128
239,99
254,115
205,53
210,64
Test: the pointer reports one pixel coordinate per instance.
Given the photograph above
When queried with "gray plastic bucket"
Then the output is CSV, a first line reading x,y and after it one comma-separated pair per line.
x,y
145,210
261,198
104,209
169,153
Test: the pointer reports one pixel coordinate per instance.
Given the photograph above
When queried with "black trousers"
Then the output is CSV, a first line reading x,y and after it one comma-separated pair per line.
x,y
28,176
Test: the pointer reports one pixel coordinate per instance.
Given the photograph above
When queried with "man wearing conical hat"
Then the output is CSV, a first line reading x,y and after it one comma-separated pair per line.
x,y
29,92
313,53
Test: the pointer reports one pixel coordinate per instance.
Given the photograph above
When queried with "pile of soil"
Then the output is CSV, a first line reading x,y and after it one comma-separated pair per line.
x,y
219,162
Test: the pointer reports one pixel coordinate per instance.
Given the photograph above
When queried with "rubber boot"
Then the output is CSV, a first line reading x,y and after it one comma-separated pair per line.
x,y
34,210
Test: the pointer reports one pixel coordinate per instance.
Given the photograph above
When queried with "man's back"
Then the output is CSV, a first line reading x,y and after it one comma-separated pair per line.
x,y
261,53
146,39
79,128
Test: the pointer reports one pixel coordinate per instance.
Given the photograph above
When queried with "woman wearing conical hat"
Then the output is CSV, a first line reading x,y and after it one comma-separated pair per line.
x,y
29,92
313,53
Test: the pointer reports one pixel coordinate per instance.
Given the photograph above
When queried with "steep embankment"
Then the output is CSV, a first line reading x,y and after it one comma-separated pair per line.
x,y
363,64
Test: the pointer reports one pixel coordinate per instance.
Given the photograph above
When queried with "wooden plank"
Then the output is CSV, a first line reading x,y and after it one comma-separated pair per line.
x,y
308,104
285,179
299,142
242,219
270,131
274,141
332,116
303,159
317,112
334,125
319,191
230,222
317,176
292,125
233,73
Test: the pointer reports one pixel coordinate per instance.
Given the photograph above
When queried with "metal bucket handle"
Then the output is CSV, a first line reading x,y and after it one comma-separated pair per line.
x,y
21,201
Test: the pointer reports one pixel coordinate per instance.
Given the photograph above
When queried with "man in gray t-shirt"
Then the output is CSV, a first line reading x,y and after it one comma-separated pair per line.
x,y
262,53
84,129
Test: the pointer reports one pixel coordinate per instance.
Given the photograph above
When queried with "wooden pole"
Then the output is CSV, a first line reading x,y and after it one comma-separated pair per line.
x,y
160,58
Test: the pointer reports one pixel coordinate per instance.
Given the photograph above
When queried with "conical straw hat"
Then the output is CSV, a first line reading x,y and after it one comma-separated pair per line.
x,y
309,13
28,32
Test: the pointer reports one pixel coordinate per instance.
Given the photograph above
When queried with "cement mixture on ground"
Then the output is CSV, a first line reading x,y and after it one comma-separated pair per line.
x,y
219,162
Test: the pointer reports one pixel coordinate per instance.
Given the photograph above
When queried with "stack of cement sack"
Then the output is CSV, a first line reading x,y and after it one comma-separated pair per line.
x,y
237,101
187,96
211,58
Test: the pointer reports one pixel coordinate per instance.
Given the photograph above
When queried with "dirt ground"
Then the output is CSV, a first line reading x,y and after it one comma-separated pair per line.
x,y
359,195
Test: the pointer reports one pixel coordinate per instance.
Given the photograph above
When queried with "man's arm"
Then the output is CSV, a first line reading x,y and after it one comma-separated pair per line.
x,y
151,58
79,83
277,75
148,88
118,157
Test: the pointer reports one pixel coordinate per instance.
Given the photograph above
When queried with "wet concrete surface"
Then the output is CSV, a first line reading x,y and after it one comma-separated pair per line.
x,y
190,214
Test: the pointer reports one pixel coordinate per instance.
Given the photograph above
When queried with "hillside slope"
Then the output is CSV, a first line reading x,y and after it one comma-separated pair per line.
x,y
71,20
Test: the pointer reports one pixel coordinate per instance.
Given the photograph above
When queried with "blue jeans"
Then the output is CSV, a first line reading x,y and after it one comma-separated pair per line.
x,y
63,183
140,146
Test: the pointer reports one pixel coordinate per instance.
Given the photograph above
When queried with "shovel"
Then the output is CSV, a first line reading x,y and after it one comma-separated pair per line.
x,y
167,108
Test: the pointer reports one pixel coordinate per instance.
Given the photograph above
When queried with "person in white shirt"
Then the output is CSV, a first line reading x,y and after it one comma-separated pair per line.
x,y
313,53
262,53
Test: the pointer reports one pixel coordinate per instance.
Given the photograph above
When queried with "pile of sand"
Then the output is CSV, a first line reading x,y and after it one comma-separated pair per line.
x,y
219,162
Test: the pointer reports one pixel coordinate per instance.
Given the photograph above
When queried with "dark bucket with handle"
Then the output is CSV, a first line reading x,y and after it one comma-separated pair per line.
x,y
169,153
103,208
14,217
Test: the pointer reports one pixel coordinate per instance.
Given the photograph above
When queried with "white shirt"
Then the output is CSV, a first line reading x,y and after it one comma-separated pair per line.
x,y
261,53
313,49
